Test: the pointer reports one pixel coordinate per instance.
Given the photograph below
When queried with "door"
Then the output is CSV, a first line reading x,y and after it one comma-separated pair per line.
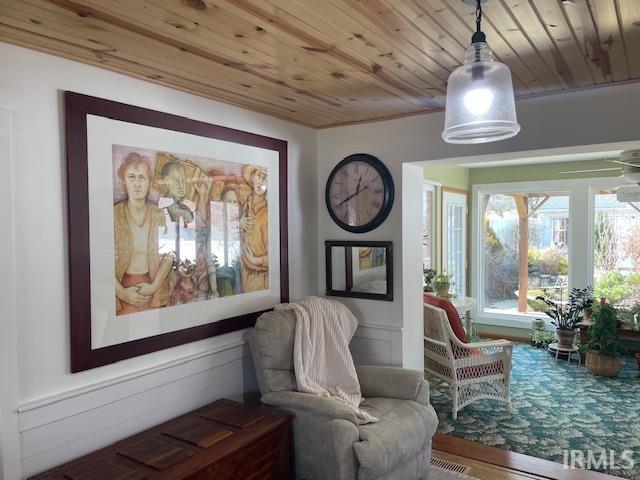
x,y
454,239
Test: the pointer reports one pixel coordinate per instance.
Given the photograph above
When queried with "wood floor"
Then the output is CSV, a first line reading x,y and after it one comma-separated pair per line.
x,y
489,463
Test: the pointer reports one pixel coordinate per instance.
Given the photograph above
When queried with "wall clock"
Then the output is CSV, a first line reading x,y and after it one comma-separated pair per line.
x,y
359,193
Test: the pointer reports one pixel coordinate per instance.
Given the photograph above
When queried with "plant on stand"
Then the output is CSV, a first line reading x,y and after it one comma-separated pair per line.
x,y
428,274
442,284
566,316
604,348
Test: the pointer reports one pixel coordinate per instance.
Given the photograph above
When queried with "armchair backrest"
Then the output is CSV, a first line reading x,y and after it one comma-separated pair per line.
x,y
438,339
436,324
271,342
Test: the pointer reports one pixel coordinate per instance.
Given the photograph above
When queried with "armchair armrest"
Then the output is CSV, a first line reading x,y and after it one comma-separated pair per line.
x,y
493,343
326,407
393,382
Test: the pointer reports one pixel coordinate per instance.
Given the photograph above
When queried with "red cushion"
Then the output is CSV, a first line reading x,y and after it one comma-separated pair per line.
x,y
452,314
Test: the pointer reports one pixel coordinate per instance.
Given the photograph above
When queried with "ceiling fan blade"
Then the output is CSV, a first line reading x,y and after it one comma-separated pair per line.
x,y
591,171
635,165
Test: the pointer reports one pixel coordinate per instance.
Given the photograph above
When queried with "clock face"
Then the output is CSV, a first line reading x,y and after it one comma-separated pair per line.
x,y
359,193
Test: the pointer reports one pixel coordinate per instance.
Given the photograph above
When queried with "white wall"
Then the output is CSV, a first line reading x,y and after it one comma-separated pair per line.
x,y
63,415
597,116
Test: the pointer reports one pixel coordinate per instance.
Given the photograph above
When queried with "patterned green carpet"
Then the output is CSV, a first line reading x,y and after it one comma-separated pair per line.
x,y
556,406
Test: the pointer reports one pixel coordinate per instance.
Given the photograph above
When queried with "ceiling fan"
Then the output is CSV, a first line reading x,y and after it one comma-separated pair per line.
x,y
629,169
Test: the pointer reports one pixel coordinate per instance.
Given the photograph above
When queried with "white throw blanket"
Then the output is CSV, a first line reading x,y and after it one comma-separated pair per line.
x,y
321,358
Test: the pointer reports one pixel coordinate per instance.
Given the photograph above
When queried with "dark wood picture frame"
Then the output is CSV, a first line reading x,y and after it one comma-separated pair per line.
x,y
348,244
77,108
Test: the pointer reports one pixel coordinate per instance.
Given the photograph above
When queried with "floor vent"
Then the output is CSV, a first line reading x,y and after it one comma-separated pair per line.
x,y
447,465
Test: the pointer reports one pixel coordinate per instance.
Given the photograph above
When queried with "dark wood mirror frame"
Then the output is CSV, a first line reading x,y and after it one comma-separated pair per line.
x,y
388,246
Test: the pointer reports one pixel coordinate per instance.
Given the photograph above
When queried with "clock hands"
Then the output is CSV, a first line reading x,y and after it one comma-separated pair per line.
x,y
352,195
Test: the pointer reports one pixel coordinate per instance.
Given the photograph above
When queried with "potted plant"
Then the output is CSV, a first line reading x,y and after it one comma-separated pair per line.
x,y
428,274
442,283
566,317
583,298
604,347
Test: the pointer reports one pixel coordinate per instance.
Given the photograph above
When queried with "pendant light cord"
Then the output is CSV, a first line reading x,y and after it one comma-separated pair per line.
x,y
478,36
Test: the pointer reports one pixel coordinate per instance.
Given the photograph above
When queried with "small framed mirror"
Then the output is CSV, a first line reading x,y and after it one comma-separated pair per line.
x,y
359,269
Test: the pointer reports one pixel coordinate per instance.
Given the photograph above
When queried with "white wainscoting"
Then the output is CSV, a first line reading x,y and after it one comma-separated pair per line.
x,y
375,344
57,429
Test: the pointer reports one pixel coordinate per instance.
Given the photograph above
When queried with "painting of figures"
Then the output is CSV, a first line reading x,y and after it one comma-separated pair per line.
x,y
177,229
186,228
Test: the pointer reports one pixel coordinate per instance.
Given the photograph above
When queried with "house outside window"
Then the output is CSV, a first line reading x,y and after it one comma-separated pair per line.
x,y
560,232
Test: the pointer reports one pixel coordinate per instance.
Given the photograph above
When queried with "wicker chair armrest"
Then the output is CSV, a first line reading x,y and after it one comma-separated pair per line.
x,y
495,343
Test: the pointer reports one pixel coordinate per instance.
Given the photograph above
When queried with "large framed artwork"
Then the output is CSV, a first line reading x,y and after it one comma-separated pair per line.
x,y
177,229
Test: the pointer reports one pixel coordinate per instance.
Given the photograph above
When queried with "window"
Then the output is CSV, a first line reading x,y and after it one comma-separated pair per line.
x,y
561,219
616,249
454,241
525,250
428,220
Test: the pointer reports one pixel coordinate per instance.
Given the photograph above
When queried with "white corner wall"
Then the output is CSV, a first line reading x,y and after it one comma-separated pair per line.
x,y
597,116
48,415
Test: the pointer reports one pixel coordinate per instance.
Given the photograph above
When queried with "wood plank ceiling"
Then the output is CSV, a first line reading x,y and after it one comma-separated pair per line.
x,y
330,62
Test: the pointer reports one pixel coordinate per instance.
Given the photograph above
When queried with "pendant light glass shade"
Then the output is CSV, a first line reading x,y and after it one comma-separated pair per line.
x,y
480,106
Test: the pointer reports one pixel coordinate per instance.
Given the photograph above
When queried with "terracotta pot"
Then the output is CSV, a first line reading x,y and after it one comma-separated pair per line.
x,y
565,337
603,366
587,314
442,289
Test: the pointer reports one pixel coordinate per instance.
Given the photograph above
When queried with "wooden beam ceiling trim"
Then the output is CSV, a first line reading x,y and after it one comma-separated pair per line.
x,y
92,32
324,48
586,37
353,48
74,52
324,63
418,46
607,45
258,50
190,49
520,39
552,17
629,20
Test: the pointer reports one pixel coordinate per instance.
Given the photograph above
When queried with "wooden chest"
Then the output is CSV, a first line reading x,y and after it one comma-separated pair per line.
x,y
224,440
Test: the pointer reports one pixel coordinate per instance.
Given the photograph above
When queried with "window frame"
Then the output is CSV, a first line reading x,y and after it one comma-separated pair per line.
x,y
581,223
431,188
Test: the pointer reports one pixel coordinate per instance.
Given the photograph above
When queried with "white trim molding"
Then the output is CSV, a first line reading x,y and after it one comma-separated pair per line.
x,y
10,448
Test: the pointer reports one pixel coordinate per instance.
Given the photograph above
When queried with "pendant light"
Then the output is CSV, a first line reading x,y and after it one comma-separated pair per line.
x,y
480,107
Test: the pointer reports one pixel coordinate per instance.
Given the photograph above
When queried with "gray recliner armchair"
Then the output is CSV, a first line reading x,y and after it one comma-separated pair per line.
x,y
328,442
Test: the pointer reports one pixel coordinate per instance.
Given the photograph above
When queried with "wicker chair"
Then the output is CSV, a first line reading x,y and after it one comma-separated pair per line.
x,y
473,370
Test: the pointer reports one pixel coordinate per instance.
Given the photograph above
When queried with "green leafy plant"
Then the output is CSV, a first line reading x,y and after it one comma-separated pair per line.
x,y
442,278
604,334
548,261
541,338
566,317
429,274
582,298
613,287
